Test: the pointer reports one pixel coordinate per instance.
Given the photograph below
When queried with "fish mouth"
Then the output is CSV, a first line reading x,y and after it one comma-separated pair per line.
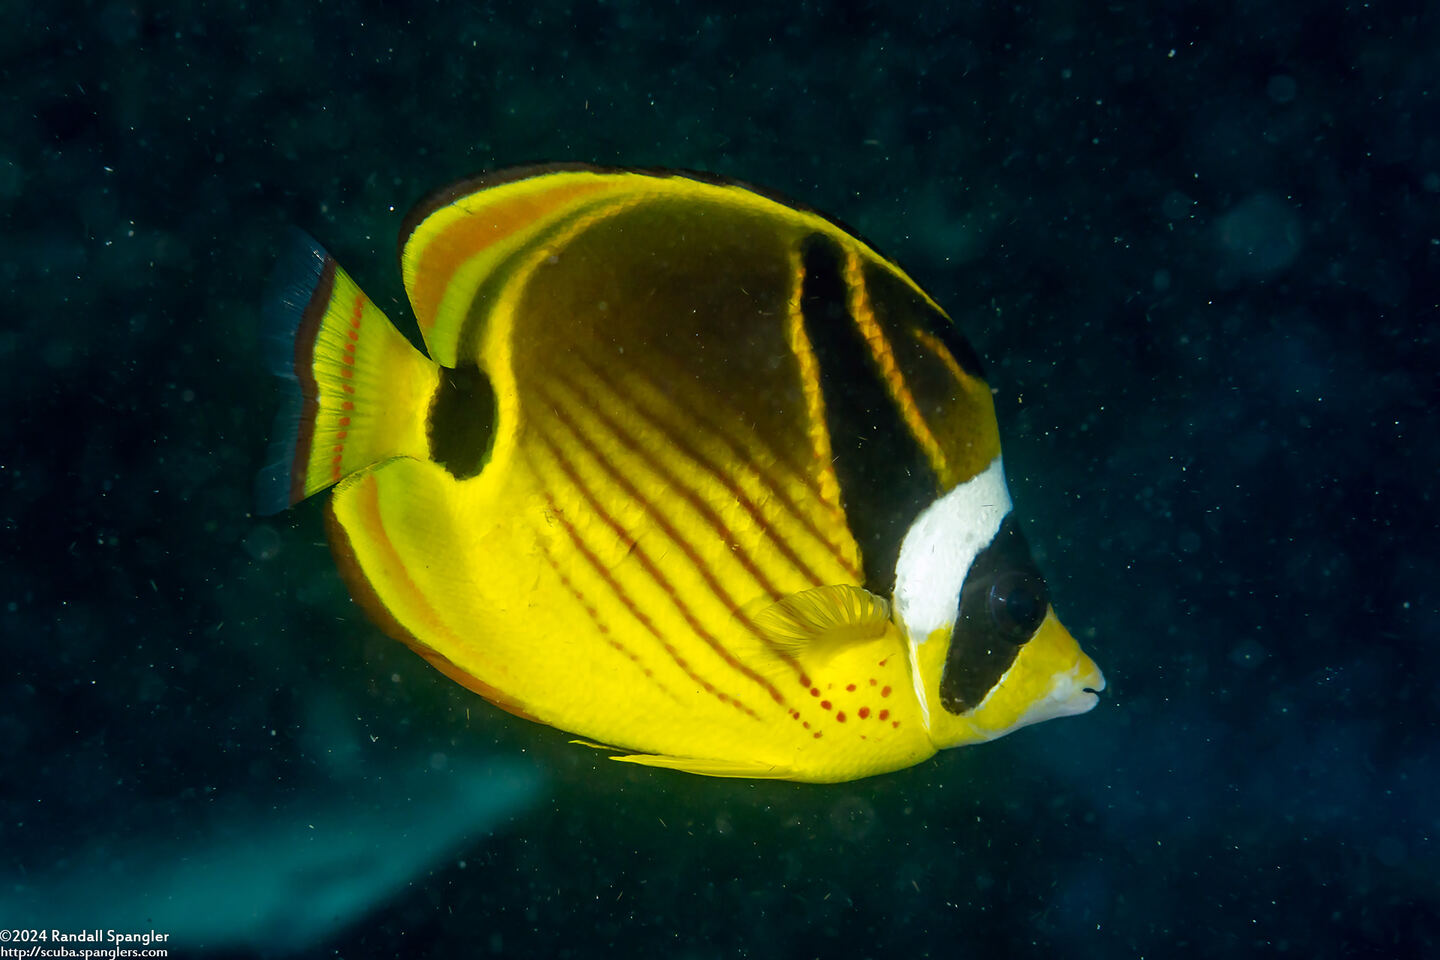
x,y
1076,692
1090,687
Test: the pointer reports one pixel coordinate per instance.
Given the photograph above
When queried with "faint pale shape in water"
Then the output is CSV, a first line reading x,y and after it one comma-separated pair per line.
x,y
277,874
1260,236
853,818
1248,653
262,543
1281,88
58,353
1390,851
1177,205
12,179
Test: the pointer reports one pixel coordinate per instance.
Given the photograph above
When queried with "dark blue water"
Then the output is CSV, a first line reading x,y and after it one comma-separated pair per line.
x,y
1198,245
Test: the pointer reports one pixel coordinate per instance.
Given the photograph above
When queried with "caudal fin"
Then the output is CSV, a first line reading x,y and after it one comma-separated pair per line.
x,y
357,392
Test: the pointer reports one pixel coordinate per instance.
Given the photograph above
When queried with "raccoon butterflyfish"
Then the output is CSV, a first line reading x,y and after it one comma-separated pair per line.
x,y
690,472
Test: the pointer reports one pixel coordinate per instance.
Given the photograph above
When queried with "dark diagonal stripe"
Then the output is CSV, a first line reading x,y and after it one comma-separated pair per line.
x,y
590,610
783,456
640,616
643,556
669,529
772,484
885,477
707,512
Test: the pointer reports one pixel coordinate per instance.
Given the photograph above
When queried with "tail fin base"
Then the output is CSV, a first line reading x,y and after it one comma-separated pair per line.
x,y
358,391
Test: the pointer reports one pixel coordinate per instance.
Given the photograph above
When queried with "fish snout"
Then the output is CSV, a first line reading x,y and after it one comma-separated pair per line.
x,y
1086,682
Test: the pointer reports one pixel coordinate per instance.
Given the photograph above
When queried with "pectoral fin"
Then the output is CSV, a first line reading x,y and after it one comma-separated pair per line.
x,y
823,618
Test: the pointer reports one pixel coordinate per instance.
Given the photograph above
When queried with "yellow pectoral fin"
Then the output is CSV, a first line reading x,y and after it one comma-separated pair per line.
x,y
746,769
820,621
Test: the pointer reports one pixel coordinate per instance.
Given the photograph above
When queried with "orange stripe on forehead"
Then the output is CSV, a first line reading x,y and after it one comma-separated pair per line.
x,y
453,235
934,344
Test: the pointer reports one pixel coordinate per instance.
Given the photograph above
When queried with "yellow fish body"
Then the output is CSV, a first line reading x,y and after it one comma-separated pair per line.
x,y
692,473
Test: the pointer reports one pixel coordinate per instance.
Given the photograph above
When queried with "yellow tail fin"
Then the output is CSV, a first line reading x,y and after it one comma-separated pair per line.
x,y
361,391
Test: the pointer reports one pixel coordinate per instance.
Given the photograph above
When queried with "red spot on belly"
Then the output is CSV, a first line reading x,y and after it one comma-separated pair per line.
x,y
824,704
804,680
885,691
840,716
814,691
894,723
864,712
818,734
884,714
850,687
872,681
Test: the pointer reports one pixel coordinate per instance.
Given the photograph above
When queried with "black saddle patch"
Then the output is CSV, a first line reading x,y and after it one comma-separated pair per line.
x,y
885,478
461,425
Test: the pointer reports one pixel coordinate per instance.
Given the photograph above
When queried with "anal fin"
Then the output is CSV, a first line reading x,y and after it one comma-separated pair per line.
x,y
705,767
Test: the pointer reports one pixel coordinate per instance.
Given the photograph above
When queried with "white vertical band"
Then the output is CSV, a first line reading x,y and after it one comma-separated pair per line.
x,y
936,556
940,546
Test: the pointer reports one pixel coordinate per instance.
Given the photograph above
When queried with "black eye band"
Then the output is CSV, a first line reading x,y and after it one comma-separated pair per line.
x,y
1002,603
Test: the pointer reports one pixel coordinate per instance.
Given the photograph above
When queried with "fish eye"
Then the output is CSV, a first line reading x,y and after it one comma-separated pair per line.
x,y
1017,603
